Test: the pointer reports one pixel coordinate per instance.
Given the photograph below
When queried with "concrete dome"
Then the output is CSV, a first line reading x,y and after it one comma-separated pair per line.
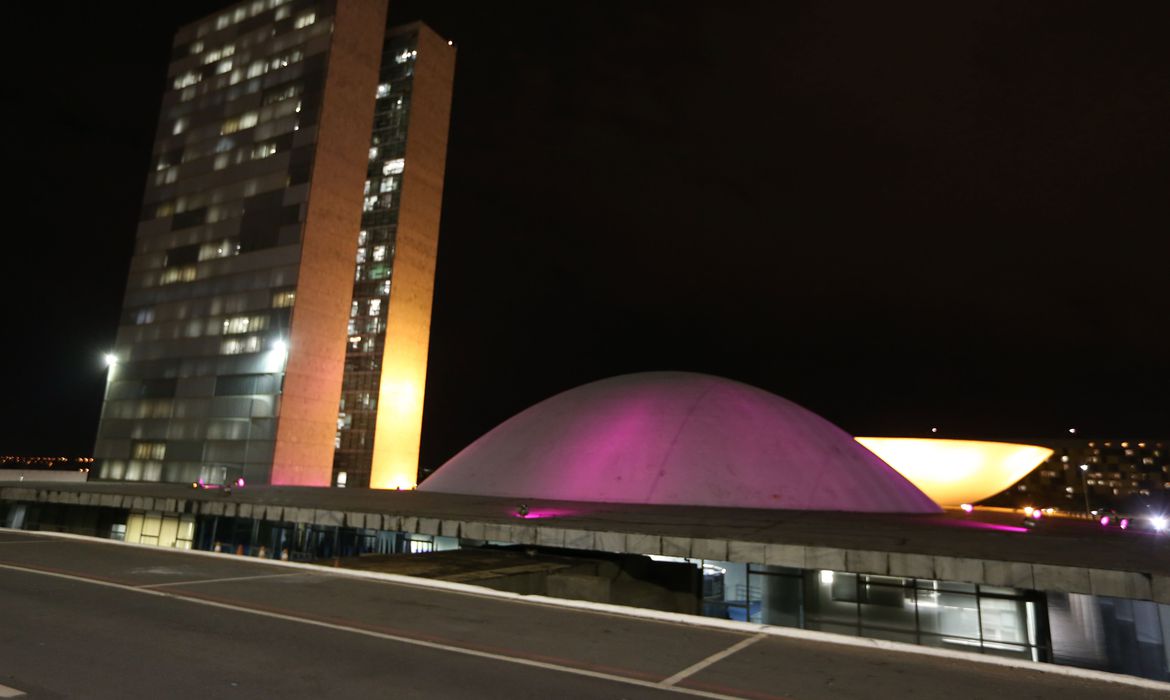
x,y
677,438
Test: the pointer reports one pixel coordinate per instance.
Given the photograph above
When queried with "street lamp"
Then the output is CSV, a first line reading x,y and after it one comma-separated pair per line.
x,y
1085,485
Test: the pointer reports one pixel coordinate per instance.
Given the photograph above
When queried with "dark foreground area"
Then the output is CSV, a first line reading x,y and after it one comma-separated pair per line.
x,y
98,619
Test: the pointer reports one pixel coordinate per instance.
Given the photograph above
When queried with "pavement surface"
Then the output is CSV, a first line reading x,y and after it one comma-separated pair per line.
x,y
93,618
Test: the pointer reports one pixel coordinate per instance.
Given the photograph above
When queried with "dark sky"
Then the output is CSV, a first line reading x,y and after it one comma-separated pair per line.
x,y
900,215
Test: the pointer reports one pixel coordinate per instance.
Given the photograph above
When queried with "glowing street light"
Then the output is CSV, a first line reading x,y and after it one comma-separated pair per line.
x,y
111,359
1159,523
1085,485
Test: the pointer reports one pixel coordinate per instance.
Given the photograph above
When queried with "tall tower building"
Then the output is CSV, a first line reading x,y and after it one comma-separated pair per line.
x,y
390,313
286,248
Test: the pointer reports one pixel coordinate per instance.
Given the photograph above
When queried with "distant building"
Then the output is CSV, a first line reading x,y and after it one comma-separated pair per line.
x,y
277,314
1118,473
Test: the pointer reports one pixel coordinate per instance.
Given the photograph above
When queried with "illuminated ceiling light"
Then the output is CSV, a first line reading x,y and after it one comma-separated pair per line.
x,y
276,357
826,577
953,472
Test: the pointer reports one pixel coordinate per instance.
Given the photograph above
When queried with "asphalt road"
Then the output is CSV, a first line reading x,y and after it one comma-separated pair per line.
x,y
97,619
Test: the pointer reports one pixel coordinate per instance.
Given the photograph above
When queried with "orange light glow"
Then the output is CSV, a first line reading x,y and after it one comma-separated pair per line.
x,y
399,421
953,472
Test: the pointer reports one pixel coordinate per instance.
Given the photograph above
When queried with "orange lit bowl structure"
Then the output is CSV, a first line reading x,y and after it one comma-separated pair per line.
x,y
953,472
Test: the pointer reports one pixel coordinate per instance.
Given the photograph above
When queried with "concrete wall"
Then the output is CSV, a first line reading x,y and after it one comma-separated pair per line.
x,y
312,385
398,428
35,475
1132,584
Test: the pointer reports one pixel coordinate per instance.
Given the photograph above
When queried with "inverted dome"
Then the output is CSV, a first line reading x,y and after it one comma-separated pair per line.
x,y
677,438
953,472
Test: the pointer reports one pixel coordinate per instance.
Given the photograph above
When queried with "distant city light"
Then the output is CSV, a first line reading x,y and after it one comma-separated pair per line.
x,y
1028,510
1124,523
1105,519
1084,467
967,507
1072,431
1037,514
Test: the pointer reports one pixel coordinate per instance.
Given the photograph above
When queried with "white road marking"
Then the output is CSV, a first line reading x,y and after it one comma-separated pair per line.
x,y
712,659
223,580
382,635
799,635
6,692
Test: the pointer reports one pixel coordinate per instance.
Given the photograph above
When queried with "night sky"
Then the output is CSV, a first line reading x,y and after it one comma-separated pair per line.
x,y
899,215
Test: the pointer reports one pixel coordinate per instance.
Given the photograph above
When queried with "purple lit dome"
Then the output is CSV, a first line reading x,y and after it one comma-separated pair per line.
x,y
677,438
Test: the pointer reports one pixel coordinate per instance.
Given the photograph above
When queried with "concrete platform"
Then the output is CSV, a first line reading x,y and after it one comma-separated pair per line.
x,y
1059,555
100,619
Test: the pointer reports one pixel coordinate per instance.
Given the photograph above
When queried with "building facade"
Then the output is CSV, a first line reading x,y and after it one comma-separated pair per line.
x,y
1127,475
388,335
239,311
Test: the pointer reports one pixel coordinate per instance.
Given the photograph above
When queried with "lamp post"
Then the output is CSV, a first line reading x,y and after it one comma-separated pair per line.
x,y
1085,486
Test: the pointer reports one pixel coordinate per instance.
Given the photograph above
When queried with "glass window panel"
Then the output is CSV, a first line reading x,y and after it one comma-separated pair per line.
x,y
831,601
1004,620
775,599
948,614
954,586
888,604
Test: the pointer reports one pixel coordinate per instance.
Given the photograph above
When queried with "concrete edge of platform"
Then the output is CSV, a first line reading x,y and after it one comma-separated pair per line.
x,y
646,614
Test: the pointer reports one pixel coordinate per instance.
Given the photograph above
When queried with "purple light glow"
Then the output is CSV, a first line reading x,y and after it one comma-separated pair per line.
x,y
967,507
1124,523
546,513
986,526
1105,520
